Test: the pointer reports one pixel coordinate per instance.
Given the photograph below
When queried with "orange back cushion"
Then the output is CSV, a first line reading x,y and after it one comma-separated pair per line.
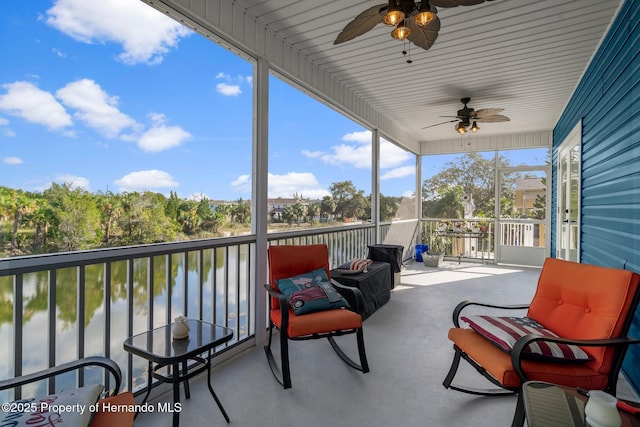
x,y
291,260
584,301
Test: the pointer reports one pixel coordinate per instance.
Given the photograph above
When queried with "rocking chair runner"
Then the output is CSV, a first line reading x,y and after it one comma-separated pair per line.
x,y
291,260
588,306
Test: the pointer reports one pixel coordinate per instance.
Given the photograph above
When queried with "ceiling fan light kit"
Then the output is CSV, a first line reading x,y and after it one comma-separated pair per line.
x,y
401,32
425,14
468,118
417,22
394,14
461,127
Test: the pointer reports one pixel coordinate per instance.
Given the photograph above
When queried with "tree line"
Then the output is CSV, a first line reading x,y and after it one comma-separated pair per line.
x,y
62,218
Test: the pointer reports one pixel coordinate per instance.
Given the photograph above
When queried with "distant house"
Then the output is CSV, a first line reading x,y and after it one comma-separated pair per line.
x,y
277,205
527,191
213,204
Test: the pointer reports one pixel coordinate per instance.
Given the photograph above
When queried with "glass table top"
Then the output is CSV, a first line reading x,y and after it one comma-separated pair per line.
x,y
159,346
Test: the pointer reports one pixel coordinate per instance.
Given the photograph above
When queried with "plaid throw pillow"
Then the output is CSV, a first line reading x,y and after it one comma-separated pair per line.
x,y
505,331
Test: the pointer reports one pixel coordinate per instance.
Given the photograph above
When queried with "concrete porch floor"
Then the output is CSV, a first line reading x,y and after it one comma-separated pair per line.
x,y
408,352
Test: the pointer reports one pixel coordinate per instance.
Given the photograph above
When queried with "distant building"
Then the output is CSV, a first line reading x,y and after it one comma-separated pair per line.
x,y
277,205
213,204
527,191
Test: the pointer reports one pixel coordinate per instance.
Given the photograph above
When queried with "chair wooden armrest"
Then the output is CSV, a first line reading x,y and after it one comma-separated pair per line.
x,y
457,311
101,361
523,342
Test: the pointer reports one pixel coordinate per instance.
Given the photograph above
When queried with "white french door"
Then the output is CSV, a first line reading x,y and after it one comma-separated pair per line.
x,y
567,237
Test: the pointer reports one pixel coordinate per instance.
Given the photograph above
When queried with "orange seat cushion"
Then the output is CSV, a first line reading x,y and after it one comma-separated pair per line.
x,y
319,322
114,418
498,364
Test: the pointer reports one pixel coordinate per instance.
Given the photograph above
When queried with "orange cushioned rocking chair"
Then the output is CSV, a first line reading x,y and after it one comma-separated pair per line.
x,y
290,261
581,314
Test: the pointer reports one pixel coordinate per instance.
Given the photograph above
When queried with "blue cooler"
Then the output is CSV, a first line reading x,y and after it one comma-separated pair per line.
x,y
419,250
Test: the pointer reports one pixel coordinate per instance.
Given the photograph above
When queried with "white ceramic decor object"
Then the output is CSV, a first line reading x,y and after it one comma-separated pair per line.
x,y
601,410
180,328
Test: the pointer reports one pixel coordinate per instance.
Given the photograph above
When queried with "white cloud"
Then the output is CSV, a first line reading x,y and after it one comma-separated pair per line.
x,y
232,85
361,137
146,180
228,90
6,131
391,156
12,161
358,155
161,137
400,172
304,183
73,181
312,154
146,35
242,184
59,53
27,101
95,107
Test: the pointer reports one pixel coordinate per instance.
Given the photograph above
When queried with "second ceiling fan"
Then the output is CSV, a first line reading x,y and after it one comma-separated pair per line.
x,y
468,118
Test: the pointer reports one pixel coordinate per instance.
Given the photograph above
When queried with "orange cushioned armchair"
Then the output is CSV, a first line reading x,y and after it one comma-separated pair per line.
x,y
287,261
584,305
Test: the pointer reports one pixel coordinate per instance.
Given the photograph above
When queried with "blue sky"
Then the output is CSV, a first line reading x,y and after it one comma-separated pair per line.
x,y
113,95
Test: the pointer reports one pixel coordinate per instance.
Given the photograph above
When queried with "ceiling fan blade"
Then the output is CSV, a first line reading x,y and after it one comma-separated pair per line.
x,y
362,23
487,112
441,123
496,118
455,3
426,36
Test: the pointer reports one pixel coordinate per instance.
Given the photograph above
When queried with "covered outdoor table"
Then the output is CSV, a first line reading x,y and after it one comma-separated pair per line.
x,y
375,285
391,254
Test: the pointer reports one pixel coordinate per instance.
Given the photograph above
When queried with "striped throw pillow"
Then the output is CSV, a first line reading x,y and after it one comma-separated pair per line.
x,y
356,264
505,331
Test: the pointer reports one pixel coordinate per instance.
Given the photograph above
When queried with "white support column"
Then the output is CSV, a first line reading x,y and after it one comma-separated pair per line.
x,y
259,205
375,182
419,189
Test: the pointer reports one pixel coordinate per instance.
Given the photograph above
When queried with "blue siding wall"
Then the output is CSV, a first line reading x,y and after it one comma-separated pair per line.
x,y
608,102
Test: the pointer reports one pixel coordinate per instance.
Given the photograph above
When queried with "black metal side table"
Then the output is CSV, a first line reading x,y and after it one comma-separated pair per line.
x,y
160,349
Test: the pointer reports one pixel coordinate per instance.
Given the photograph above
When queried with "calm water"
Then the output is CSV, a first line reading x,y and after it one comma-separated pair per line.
x,y
219,305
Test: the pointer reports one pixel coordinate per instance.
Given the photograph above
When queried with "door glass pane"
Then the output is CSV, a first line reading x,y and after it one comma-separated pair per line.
x,y
563,209
574,172
569,202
